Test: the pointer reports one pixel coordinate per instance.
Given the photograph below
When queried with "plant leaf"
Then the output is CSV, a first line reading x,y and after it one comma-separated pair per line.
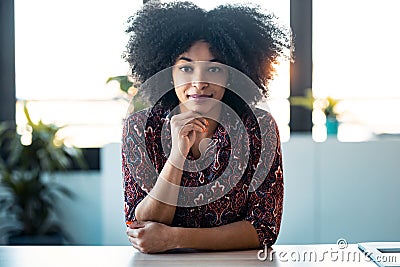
x,y
124,83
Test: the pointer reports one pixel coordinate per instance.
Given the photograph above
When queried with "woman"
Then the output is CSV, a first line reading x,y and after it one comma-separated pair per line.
x,y
203,168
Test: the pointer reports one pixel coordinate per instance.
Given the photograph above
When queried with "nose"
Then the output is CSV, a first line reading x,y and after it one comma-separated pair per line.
x,y
199,78
200,85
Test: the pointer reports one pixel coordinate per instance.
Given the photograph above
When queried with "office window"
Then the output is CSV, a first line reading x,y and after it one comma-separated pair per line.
x,y
355,60
66,50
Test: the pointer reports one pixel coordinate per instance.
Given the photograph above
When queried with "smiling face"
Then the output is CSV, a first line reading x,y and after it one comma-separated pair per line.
x,y
199,79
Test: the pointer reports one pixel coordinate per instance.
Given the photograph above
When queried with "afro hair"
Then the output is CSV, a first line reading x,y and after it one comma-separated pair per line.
x,y
243,37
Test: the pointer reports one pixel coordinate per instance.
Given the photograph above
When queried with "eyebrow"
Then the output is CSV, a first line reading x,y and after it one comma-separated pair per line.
x,y
190,60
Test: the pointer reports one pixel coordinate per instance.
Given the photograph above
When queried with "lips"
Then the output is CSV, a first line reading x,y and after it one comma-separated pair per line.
x,y
199,96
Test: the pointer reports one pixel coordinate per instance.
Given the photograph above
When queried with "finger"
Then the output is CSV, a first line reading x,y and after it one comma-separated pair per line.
x,y
134,243
192,121
135,224
188,128
198,124
187,115
200,119
202,122
137,247
135,232
182,121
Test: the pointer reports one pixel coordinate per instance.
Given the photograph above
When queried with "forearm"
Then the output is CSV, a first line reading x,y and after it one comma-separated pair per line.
x,y
160,204
237,235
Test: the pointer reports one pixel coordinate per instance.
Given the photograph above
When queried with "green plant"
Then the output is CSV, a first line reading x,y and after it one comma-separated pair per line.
x,y
306,101
28,199
327,105
131,91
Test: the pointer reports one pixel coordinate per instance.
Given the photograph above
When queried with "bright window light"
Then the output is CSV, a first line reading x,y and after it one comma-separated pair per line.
x,y
354,60
66,50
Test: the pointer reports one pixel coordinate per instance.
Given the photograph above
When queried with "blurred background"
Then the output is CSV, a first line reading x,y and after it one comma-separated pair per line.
x,y
337,107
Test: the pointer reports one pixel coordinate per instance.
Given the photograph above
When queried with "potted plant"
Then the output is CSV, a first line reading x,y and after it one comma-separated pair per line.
x,y
29,190
326,105
130,90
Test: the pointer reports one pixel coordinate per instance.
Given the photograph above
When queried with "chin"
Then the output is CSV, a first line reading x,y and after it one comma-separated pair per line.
x,y
202,109
202,106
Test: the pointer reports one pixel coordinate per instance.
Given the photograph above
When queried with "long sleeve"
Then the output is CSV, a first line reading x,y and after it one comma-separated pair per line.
x,y
138,173
265,204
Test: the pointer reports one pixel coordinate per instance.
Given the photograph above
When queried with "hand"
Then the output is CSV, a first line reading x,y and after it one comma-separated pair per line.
x,y
184,127
150,237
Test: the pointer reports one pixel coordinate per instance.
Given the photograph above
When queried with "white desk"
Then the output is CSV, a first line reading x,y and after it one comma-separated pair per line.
x,y
124,256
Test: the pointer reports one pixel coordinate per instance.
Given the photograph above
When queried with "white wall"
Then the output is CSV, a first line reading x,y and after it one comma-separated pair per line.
x,y
341,190
82,216
332,190
97,217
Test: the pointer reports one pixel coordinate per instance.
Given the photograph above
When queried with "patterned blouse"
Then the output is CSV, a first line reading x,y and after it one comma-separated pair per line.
x,y
242,181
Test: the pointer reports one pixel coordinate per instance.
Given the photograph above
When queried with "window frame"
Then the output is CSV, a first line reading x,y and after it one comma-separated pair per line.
x,y
301,68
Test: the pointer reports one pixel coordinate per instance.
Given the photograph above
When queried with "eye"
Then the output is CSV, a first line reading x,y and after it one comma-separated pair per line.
x,y
186,69
214,69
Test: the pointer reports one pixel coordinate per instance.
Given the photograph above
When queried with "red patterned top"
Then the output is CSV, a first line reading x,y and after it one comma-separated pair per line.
x,y
242,181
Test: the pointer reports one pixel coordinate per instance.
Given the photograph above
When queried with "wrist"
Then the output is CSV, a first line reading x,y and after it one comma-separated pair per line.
x,y
177,159
178,237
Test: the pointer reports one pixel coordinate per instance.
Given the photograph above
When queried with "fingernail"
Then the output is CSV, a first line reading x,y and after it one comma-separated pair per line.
x,y
206,122
128,223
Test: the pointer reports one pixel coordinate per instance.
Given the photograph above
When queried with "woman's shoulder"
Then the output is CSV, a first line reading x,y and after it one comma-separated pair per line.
x,y
152,115
264,118
133,127
138,117
135,123
263,114
148,121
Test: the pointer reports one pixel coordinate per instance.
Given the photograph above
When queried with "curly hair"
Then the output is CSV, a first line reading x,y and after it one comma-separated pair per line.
x,y
242,37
